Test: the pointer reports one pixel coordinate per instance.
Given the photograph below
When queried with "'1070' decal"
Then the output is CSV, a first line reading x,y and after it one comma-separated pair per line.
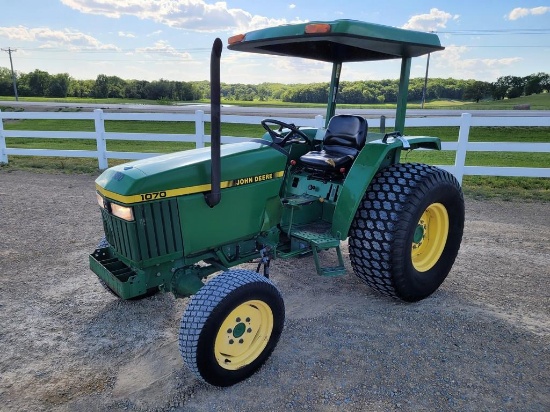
x,y
153,195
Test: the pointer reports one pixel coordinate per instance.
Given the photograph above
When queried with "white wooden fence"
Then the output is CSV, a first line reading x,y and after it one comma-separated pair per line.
x,y
459,169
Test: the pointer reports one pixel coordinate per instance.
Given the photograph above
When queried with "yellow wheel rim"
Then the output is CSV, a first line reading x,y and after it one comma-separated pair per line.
x,y
243,335
430,237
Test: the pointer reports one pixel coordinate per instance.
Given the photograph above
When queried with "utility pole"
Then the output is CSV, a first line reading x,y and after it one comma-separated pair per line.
x,y
425,82
10,50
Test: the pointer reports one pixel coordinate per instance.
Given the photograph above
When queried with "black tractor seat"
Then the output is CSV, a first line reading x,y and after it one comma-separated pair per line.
x,y
344,139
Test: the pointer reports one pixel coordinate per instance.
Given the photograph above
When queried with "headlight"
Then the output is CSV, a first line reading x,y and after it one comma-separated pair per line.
x,y
123,212
100,200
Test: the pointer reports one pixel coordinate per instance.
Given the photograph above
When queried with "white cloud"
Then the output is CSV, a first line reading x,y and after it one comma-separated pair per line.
x,y
291,6
164,48
74,40
196,15
452,62
125,34
520,12
291,70
435,19
540,10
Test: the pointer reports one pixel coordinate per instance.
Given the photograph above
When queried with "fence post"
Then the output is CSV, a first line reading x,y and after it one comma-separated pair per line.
x,y
383,124
319,122
462,147
3,155
100,139
199,128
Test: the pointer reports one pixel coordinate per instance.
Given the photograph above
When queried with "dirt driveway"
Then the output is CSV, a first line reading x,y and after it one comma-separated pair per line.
x,y
482,342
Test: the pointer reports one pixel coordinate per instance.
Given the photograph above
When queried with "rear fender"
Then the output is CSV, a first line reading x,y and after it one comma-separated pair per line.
x,y
373,157
424,142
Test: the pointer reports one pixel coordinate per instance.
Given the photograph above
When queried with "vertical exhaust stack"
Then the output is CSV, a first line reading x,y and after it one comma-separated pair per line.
x,y
214,197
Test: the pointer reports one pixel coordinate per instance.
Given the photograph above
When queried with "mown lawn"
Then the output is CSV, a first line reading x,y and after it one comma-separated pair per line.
x,y
536,102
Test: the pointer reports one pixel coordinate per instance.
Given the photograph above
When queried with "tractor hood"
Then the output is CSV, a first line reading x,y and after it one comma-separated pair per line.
x,y
188,172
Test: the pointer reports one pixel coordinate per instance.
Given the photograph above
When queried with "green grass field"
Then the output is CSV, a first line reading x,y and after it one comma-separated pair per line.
x,y
537,102
477,186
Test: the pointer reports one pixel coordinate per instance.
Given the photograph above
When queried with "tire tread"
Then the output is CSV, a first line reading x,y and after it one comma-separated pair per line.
x,y
201,306
375,232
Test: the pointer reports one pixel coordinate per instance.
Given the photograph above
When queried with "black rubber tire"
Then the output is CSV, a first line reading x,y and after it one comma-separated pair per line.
x,y
103,243
382,232
210,307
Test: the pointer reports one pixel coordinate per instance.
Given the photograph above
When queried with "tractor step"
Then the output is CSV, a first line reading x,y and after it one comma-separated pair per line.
x,y
299,200
119,277
313,237
319,238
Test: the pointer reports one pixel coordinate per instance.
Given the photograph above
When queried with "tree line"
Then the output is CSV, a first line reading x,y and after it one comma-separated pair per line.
x,y
42,84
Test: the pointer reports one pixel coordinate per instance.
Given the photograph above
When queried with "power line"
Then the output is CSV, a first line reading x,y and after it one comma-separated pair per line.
x,y
494,32
504,47
134,50
10,50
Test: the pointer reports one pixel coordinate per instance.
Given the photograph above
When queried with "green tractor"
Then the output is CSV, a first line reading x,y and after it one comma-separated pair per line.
x,y
173,220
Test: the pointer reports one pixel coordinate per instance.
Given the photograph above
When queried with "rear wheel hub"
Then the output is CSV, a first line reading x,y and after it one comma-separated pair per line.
x,y
430,237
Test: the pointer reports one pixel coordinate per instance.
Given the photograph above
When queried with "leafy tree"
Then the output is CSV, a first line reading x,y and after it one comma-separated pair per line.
x,y
476,90
36,83
307,93
545,82
351,92
535,83
499,88
41,83
508,86
416,86
157,90
101,86
115,87
184,91
6,82
135,89
81,88
368,96
202,89
390,92
58,85
516,86
263,92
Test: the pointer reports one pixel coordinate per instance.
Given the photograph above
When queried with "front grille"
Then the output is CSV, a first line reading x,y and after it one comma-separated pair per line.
x,y
155,232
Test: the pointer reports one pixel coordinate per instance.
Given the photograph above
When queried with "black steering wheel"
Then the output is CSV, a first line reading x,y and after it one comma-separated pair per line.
x,y
281,139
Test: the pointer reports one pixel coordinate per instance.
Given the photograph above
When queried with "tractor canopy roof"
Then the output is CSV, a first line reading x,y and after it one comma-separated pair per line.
x,y
337,41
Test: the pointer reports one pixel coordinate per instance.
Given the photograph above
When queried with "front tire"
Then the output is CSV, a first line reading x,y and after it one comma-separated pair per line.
x,y
407,231
231,326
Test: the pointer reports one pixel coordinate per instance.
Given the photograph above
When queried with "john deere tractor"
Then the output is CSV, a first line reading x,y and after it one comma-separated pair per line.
x,y
173,220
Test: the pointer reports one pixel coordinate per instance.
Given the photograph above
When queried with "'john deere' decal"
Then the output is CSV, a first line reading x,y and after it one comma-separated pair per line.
x,y
255,179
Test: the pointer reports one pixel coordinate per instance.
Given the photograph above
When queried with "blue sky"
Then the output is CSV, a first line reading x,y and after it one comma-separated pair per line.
x,y
171,39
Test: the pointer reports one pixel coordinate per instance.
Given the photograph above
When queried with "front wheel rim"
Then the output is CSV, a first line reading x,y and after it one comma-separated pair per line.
x,y
430,237
243,335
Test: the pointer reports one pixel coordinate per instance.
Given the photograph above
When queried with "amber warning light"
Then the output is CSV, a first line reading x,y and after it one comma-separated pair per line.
x,y
317,28
236,39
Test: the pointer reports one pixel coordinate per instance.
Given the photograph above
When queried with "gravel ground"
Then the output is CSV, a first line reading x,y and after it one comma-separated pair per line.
x,y
481,342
